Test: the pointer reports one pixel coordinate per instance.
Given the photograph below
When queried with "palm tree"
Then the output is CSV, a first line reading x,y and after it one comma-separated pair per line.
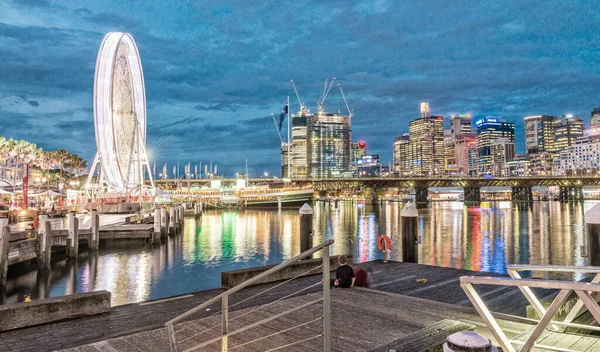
x,y
61,157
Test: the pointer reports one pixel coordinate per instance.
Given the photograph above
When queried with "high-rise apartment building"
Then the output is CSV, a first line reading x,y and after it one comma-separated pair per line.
x,y
449,153
461,124
502,151
299,160
402,161
595,118
488,130
328,145
567,129
539,134
358,150
465,147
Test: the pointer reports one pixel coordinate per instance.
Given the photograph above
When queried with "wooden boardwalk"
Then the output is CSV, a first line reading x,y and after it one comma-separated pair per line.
x,y
441,293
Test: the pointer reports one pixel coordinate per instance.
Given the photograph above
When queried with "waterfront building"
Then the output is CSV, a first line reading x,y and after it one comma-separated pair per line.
x,y
299,160
461,124
520,166
369,166
539,134
542,164
582,158
328,144
502,150
401,158
428,132
465,147
567,129
284,159
489,130
595,118
358,150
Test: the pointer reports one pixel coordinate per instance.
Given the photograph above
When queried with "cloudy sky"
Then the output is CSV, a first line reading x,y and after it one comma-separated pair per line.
x,y
216,70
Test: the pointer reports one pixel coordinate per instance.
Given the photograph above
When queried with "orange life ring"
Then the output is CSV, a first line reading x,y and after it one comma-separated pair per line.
x,y
380,241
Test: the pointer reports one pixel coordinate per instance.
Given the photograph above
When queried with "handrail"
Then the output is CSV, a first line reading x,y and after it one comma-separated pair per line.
x,y
554,268
548,284
250,282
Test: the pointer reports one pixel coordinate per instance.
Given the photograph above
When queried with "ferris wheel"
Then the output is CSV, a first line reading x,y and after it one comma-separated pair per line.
x,y
120,119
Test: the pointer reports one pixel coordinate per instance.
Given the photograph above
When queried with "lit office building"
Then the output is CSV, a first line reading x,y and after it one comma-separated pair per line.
x,y
520,167
582,158
284,159
449,153
358,150
466,154
461,124
424,109
502,151
299,144
542,164
369,166
402,161
595,118
539,134
429,132
488,130
567,129
328,145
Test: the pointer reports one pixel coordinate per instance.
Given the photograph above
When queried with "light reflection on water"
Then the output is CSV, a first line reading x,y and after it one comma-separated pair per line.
x,y
485,238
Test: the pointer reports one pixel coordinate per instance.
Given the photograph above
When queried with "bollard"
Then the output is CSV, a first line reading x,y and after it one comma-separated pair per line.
x,y
156,233
592,222
44,260
468,341
181,216
410,233
172,220
163,222
306,227
94,240
350,247
279,203
73,238
4,244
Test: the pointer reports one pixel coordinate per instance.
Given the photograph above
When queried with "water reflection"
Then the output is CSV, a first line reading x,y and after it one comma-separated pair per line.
x,y
484,238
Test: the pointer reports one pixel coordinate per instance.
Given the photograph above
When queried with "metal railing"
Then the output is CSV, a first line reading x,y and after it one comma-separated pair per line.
x,y
225,307
583,290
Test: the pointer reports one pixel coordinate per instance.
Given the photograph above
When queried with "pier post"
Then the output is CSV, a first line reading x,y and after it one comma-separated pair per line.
x,y
94,240
45,242
421,196
279,203
172,220
592,223
472,195
157,232
4,243
73,239
164,223
306,227
181,216
410,233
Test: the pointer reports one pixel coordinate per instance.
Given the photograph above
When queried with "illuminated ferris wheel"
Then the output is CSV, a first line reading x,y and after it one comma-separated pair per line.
x,y
120,119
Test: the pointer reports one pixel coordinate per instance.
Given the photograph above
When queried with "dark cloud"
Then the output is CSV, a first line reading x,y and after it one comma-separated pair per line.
x,y
211,68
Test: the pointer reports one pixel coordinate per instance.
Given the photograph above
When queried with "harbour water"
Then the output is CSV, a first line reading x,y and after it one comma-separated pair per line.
x,y
484,238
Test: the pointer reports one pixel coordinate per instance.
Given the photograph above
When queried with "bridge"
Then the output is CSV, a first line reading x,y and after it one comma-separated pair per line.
x,y
570,187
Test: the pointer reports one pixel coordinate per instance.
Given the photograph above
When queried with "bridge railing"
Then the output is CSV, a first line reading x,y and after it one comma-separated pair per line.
x,y
194,342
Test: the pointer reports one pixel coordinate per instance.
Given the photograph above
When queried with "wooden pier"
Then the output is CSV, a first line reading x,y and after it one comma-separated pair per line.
x,y
51,236
396,310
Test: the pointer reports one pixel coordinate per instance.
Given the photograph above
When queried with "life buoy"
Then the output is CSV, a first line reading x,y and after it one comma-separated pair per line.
x,y
36,222
384,239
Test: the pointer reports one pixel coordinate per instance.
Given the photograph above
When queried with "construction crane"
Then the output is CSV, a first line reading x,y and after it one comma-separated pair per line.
x,y
350,112
300,102
326,89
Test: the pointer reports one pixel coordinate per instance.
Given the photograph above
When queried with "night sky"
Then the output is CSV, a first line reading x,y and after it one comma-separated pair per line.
x,y
215,71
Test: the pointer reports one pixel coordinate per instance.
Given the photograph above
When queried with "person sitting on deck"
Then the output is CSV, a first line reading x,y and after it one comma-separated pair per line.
x,y
362,276
344,275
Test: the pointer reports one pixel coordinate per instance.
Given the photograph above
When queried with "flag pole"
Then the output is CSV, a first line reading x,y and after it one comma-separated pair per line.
x,y
289,149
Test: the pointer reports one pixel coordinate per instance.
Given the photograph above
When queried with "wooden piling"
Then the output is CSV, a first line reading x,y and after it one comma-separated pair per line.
x,y
410,233
306,227
44,257
592,222
73,239
4,239
163,222
157,231
94,239
172,220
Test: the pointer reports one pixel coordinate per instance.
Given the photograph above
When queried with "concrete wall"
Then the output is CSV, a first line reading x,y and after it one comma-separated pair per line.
x,y
20,315
233,278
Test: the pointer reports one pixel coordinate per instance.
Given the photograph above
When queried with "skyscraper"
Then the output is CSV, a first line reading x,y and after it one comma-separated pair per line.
x,y
402,157
358,150
461,124
466,151
328,144
595,118
429,131
299,144
567,129
539,134
488,130
502,151
449,153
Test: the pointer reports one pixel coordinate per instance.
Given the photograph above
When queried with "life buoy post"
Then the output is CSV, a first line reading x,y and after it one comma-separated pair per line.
x,y
384,244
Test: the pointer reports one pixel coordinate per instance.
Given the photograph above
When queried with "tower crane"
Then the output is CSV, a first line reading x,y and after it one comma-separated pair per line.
x,y
326,90
350,112
300,102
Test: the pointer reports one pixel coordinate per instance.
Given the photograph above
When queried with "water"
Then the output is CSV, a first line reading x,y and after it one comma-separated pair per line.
x,y
485,238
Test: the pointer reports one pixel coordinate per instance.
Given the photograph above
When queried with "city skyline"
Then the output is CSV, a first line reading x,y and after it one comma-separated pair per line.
x,y
214,78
